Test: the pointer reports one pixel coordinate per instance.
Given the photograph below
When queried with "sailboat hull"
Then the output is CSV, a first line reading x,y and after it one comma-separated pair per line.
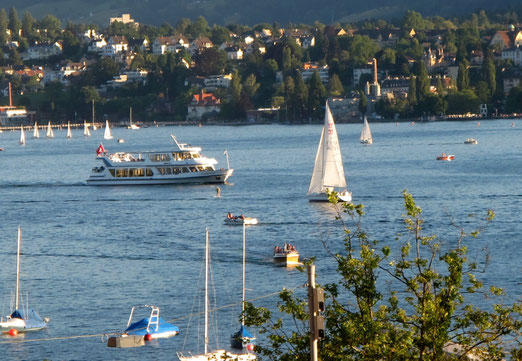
x,y
323,197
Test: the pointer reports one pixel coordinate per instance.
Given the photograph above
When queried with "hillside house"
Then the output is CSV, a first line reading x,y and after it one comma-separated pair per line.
x,y
514,54
42,51
309,68
503,39
96,46
115,45
197,45
234,52
213,82
203,104
169,44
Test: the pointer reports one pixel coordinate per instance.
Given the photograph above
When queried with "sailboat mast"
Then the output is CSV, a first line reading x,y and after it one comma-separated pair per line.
x,y
93,113
244,276
18,267
130,116
207,256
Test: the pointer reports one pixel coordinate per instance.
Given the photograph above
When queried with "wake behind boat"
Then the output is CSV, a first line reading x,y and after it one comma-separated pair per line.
x,y
328,174
184,164
239,220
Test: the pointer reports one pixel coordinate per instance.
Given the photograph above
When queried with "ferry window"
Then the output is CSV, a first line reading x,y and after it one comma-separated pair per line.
x,y
113,173
185,170
193,169
122,172
169,170
195,155
176,170
136,172
176,156
148,172
165,157
161,170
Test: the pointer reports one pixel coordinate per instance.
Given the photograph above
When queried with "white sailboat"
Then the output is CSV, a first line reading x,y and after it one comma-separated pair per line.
x,y
50,133
86,131
36,131
21,319
328,174
217,354
107,134
243,339
131,125
22,136
366,134
69,132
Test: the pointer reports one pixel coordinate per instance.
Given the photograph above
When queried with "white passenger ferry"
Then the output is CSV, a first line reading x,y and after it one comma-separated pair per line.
x,y
184,164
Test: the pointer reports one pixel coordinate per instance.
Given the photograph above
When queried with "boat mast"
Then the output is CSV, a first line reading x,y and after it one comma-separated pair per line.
x,y
93,112
18,267
244,278
130,116
207,256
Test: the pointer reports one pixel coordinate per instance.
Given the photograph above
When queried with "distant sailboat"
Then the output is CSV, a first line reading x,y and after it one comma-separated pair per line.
x,y
328,171
22,136
107,134
36,131
69,132
21,319
366,134
86,131
131,126
50,133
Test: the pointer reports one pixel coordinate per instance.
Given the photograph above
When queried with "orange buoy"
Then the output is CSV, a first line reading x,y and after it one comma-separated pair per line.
x,y
250,347
13,332
148,337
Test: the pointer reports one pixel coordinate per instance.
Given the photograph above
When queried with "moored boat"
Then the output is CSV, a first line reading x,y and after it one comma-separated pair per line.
x,y
153,325
471,141
286,256
184,164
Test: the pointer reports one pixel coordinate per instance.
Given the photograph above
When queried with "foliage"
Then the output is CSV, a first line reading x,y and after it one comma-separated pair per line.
x,y
462,102
404,300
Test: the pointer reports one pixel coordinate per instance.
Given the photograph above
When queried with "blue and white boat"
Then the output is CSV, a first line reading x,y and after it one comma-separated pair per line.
x,y
153,325
20,319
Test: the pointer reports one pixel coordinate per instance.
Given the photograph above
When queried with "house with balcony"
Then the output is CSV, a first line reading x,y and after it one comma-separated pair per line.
x,y
42,51
203,104
212,82
309,68
115,45
514,54
169,44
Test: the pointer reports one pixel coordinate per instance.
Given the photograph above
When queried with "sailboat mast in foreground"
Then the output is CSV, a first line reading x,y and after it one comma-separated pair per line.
x,y
328,174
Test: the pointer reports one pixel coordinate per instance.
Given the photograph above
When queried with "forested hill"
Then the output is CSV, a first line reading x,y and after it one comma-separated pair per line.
x,y
249,12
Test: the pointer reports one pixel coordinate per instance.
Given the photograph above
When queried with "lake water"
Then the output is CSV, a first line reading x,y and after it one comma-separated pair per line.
x,y
91,253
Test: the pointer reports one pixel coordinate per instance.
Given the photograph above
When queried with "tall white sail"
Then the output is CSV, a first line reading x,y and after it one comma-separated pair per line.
x,y
50,133
36,131
366,134
69,132
22,135
86,131
328,168
107,134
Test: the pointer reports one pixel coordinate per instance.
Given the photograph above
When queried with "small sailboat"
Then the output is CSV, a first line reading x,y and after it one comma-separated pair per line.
x,y
36,131
20,319
131,125
22,136
366,134
50,133
107,134
69,132
86,131
217,354
243,339
328,174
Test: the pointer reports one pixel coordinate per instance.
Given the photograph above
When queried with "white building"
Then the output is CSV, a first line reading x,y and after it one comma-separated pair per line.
x,y
42,51
115,45
213,82
169,44
514,54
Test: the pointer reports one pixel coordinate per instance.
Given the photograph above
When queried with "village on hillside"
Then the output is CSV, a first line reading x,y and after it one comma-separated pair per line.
x,y
422,68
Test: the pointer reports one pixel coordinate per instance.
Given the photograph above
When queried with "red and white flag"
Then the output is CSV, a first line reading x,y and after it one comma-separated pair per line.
x,y
100,150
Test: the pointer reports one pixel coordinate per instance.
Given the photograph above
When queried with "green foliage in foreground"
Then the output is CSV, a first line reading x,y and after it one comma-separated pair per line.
x,y
416,316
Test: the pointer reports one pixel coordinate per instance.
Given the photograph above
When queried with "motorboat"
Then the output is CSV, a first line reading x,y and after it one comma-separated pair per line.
x,y
21,319
239,220
471,141
153,325
447,157
328,174
183,164
286,256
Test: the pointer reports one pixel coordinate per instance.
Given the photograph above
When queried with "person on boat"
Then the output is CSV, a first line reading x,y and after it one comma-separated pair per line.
x,y
443,154
241,217
230,215
218,192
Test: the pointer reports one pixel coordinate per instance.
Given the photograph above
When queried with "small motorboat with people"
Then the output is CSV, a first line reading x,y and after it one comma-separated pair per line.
x,y
286,256
471,141
446,157
184,164
239,220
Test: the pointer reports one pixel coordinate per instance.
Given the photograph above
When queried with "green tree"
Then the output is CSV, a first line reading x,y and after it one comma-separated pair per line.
x,y
413,20
363,103
412,91
14,23
286,61
488,72
316,96
3,26
362,49
462,102
405,300
299,98
211,61
27,25
335,87
514,100
52,25
220,35
423,82
463,75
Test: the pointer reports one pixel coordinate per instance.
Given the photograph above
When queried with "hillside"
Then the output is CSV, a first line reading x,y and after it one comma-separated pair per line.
x,y
247,12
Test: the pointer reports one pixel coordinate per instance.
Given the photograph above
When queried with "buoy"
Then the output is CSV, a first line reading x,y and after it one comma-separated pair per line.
x,y
250,347
13,332
148,337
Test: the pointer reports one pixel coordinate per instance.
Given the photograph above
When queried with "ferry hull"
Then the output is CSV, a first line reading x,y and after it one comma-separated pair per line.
x,y
212,177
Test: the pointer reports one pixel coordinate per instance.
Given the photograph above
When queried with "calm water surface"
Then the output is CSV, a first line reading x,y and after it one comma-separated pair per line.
x,y
91,253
